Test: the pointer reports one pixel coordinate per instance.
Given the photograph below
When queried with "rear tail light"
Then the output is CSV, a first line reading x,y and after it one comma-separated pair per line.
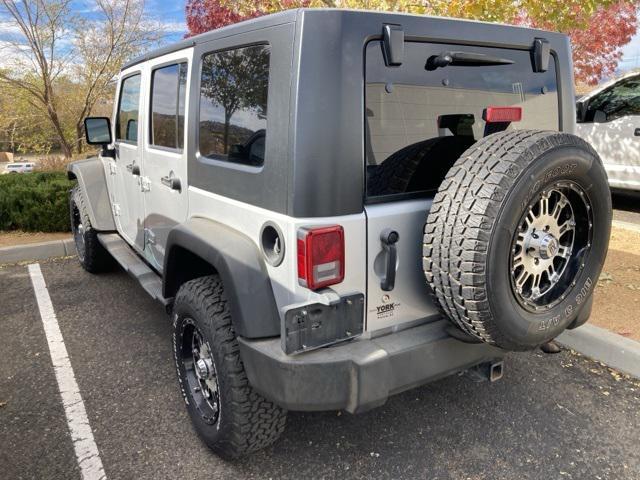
x,y
502,114
320,256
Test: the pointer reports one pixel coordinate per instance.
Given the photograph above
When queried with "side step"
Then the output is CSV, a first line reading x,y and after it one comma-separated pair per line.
x,y
134,265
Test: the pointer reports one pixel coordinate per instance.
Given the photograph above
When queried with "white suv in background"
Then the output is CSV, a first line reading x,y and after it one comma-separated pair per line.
x,y
20,167
609,119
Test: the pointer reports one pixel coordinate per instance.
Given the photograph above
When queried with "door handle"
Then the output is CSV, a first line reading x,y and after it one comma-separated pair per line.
x,y
133,169
172,182
389,238
636,132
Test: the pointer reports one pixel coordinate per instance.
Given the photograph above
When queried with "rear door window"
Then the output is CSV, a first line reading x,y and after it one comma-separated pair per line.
x,y
420,117
168,88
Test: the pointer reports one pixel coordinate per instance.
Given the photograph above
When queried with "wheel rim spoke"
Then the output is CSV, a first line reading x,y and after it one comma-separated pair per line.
x,y
522,278
544,205
567,226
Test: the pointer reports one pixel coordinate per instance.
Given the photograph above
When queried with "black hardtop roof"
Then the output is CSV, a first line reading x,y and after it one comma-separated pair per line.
x,y
289,16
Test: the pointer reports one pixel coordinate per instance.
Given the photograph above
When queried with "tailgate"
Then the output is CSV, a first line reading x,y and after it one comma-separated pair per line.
x,y
420,117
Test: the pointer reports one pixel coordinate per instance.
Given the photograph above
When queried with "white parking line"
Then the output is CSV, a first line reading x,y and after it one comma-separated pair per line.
x,y
83,443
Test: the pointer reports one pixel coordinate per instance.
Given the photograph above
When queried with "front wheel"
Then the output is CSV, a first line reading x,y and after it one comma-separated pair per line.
x,y
230,417
92,255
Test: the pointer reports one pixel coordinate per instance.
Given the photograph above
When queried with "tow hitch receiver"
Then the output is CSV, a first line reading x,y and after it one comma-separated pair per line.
x,y
491,371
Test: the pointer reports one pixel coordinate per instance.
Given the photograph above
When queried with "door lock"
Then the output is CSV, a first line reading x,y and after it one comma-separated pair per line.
x,y
389,238
172,182
133,169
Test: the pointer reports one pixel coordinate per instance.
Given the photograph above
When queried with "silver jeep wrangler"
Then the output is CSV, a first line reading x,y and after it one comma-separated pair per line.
x,y
336,206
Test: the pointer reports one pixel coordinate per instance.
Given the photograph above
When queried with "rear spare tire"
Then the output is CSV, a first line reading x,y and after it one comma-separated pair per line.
x,y
517,236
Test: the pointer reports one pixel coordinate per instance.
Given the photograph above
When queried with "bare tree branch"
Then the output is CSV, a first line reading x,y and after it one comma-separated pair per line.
x,y
60,54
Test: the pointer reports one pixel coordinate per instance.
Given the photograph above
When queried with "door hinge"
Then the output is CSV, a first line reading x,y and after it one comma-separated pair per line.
x,y
150,237
116,210
112,168
145,184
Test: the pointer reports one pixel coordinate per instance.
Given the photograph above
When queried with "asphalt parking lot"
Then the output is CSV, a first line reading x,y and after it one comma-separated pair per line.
x,y
552,416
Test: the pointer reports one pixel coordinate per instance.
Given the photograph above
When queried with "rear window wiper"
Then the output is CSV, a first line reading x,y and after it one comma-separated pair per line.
x,y
464,59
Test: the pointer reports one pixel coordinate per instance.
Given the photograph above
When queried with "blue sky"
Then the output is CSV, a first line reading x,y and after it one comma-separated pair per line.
x,y
171,14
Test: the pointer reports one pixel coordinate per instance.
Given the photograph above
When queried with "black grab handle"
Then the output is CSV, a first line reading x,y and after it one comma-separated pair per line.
x,y
389,238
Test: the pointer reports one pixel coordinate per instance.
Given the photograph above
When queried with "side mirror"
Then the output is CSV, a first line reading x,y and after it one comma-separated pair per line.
x,y
97,130
236,149
600,117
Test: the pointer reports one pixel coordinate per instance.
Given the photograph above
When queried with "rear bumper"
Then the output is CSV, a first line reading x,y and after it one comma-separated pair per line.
x,y
361,374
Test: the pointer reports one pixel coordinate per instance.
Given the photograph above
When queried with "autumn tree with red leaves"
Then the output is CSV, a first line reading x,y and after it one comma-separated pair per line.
x,y
596,38
598,28
597,49
205,15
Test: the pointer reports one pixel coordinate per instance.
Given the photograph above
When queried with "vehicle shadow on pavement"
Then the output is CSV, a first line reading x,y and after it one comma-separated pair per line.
x,y
626,201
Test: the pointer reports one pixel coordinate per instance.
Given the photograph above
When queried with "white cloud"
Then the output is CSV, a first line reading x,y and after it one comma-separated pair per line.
x,y
12,54
8,27
174,27
9,30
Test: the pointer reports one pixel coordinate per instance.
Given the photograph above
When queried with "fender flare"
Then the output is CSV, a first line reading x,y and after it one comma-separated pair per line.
x,y
93,184
237,260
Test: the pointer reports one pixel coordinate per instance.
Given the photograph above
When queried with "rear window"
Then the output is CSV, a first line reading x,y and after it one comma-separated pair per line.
x,y
233,105
420,117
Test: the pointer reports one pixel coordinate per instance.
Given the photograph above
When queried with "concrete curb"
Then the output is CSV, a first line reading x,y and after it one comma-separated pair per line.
x,y
626,226
37,251
612,349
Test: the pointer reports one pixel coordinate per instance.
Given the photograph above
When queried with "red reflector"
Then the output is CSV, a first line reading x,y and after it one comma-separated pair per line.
x,y
320,256
502,114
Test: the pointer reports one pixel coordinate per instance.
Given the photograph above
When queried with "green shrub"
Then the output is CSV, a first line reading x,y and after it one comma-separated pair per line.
x,y
36,202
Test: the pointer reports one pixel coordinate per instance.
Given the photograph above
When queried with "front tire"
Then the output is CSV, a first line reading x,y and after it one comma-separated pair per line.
x,y
92,255
229,416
